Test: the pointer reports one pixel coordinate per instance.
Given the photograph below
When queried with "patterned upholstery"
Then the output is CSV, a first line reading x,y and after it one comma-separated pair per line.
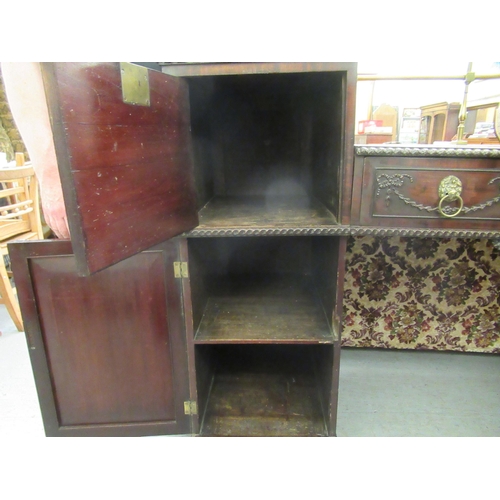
x,y
422,293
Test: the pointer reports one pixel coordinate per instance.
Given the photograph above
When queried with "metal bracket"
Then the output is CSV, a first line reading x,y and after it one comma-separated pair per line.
x,y
135,84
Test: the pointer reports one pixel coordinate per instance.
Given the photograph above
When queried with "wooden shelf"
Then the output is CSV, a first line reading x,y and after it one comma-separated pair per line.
x,y
260,312
256,212
264,391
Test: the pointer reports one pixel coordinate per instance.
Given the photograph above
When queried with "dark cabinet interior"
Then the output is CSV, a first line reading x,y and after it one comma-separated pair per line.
x,y
263,333
266,390
276,288
267,148
268,153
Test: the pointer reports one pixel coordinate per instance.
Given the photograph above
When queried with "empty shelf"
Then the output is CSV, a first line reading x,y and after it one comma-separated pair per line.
x,y
264,393
257,212
269,316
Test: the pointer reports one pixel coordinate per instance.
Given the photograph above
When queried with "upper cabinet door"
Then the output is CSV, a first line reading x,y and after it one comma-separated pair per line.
x,y
123,144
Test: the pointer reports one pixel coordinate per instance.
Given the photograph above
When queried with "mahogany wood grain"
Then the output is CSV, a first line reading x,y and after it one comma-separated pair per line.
x,y
108,351
348,132
126,169
326,364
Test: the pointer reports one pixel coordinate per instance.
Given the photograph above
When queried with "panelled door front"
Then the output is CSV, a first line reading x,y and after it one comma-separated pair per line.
x,y
108,351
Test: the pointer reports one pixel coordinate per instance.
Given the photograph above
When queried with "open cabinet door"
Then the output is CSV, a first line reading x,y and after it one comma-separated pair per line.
x,y
123,145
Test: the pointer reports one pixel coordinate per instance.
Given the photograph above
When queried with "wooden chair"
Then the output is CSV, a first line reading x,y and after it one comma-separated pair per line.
x,y
19,220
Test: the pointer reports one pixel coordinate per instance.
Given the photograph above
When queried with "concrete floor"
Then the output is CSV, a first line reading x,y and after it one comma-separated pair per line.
x,y
19,411
418,393
382,393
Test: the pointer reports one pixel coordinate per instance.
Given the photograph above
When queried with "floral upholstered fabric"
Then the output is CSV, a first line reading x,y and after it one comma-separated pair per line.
x,y
422,293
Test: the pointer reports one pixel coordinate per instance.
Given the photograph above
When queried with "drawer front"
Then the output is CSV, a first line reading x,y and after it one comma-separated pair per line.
x,y
405,192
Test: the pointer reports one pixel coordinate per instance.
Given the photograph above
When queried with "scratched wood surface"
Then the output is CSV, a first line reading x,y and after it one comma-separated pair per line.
x,y
126,170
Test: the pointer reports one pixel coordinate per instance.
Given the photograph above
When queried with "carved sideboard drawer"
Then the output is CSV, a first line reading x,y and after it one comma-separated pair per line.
x,y
427,192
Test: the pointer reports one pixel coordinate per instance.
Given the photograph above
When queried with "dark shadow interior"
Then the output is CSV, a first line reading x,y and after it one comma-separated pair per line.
x,y
265,138
263,289
264,390
262,318
267,153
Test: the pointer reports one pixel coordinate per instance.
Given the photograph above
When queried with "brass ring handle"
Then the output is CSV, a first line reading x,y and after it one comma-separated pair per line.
x,y
454,214
450,189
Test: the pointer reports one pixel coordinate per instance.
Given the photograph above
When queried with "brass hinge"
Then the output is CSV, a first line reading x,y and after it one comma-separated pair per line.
x,y
135,84
190,408
181,270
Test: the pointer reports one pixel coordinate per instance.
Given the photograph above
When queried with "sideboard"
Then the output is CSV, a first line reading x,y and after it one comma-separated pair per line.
x,y
210,207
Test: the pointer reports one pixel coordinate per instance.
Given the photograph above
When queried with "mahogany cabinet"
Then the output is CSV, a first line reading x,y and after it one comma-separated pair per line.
x,y
201,292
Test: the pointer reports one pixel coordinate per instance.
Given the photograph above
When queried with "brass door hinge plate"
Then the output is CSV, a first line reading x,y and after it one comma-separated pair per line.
x,y
181,270
135,84
190,408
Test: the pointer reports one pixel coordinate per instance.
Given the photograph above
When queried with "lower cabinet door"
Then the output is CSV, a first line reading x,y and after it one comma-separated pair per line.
x,y
108,351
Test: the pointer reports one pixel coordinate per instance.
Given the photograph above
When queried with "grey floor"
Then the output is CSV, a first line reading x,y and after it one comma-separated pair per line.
x,y
382,393
418,393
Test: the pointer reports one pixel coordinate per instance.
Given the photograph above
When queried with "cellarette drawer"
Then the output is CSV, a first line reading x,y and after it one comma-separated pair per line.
x,y
448,193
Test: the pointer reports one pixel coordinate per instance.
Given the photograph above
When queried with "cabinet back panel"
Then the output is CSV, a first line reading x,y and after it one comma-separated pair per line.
x,y
252,255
